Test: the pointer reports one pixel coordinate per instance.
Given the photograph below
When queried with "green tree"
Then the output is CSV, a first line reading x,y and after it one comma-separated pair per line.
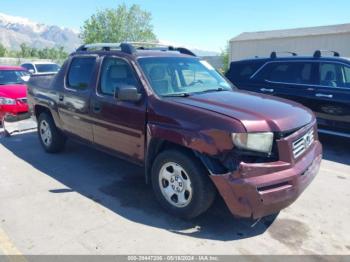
x,y
3,50
118,25
25,50
61,52
34,52
57,54
225,57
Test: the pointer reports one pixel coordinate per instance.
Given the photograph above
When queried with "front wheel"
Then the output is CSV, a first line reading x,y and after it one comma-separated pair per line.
x,y
50,136
181,184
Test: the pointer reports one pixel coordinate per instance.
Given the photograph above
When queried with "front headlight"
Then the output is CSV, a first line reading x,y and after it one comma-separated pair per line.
x,y
7,101
259,142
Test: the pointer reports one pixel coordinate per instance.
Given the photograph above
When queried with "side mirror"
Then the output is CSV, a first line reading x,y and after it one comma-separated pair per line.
x,y
31,71
127,93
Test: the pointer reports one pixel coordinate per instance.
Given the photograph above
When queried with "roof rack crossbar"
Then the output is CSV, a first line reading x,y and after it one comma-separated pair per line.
x,y
274,53
124,47
149,44
318,53
132,47
161,47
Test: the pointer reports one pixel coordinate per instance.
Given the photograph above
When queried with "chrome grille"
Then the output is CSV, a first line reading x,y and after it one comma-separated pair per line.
x,y
303,143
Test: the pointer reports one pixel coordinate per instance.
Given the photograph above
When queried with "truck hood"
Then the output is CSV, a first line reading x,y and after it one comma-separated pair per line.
x,y
258,113
13,91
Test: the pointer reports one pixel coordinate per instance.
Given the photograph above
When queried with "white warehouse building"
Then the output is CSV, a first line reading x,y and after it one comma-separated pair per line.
x,y
303,41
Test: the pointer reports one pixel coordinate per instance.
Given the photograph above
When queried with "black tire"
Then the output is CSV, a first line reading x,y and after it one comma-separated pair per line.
x,y
203,190
58,140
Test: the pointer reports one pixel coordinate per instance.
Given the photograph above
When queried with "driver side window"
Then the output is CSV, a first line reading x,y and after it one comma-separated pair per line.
x,y
115,73
334,75
330,74
346,72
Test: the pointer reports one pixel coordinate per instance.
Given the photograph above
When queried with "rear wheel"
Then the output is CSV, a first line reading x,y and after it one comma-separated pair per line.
x,y
181,184
50,136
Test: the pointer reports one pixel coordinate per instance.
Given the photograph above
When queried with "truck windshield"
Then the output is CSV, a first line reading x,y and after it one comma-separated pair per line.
x,y
11,77
174,76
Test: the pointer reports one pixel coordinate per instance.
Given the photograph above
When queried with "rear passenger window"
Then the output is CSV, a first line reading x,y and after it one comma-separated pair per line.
x,y
239,72
28,67
293,73
80,72
116,73
246,71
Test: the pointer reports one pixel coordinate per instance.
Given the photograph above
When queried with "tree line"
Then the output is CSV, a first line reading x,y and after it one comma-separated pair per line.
x,y
25,51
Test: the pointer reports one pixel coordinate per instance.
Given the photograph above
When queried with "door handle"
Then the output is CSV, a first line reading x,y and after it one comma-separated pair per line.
x,y
267,90
60,98
324,95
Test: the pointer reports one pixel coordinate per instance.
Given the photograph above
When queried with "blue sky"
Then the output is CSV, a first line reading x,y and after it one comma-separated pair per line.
x,y
203,24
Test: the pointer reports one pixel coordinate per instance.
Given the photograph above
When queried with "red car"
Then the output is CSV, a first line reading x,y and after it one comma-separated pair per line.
x,y
13,91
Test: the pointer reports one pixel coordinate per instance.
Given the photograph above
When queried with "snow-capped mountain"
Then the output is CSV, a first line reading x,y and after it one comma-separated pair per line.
x,y
17,30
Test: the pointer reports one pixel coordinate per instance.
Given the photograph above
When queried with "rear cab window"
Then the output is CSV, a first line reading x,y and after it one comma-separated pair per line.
x,y
80,72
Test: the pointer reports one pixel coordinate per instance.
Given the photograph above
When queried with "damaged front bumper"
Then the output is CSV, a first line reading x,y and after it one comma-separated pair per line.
x,y
16,123
258,190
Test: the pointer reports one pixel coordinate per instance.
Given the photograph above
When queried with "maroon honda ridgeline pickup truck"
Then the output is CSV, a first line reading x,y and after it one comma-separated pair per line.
x,y
172,113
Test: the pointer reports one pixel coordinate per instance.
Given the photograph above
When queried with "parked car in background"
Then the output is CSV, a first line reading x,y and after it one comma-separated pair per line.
x,y
321,83
37,68
13,92
173,114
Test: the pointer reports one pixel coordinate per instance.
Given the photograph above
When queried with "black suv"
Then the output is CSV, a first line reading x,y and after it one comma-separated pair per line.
x,y
318,82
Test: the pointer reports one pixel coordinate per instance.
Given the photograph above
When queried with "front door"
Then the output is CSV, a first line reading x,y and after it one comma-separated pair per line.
x,y
118,126
333,96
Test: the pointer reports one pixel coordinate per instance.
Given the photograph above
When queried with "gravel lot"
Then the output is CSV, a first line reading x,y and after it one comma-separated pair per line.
x,y
86,202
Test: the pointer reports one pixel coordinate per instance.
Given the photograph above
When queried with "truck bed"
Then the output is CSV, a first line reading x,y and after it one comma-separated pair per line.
x,y
40,81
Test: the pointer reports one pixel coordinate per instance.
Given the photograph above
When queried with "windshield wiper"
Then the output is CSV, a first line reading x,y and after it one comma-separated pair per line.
x,y
177,95
219,89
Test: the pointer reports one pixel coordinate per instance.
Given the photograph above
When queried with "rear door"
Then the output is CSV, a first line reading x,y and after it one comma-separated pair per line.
x,y
118,126
333,96
293,80
74,100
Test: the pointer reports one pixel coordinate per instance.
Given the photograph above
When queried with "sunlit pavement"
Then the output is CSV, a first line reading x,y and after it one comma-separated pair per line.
x,y
83,201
